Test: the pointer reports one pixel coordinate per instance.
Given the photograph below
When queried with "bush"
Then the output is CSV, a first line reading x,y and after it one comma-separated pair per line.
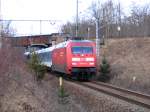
x,y
104,70
37,67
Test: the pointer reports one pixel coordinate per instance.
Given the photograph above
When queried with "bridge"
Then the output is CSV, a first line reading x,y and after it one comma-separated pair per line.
x,y
51,39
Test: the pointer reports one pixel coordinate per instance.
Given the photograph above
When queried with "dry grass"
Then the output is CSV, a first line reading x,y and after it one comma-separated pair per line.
x,y
14,74
130,63
19,92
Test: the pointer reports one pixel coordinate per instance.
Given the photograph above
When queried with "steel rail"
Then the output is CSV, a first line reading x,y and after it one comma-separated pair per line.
x,y
124,94
146,96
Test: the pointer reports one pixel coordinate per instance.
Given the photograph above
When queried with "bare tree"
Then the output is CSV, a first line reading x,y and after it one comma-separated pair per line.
x,y
113,21
7,30
137,24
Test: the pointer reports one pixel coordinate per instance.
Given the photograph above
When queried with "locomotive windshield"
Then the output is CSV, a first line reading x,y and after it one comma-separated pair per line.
x,y
82,50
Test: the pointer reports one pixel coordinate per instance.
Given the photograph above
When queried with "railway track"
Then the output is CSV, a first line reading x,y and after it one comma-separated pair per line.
x,y
124,94
121,93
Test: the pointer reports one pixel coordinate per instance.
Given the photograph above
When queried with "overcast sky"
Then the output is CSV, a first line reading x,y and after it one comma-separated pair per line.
x,y
59,10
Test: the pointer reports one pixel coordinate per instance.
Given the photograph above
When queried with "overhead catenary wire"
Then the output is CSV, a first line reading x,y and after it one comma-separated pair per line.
x,y
52,22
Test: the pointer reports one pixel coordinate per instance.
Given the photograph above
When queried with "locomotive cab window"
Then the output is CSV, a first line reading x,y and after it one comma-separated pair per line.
x,y
82,50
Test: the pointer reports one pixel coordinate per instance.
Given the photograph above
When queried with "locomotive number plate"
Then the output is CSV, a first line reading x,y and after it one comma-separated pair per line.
x,y
82,59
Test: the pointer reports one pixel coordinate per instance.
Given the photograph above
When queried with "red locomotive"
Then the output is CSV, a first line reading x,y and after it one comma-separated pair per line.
x,y
76,58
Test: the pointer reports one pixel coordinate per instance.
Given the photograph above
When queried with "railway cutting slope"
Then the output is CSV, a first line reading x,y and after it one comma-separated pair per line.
x,y
130,62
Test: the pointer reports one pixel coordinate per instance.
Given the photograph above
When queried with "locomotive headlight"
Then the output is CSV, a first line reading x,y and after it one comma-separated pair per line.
x,y
74,63
91,63
89,59
75,59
